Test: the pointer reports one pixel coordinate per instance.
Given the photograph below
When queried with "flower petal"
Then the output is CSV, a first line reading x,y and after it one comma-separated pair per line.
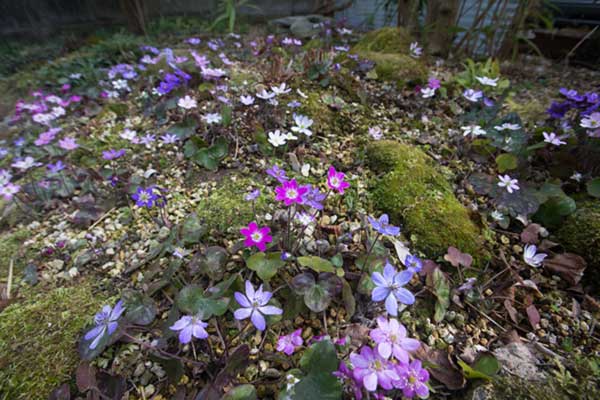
x,y
258,320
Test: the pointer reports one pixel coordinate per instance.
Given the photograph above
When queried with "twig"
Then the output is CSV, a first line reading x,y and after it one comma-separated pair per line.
x,y
10,278
106,214
503,329
583,39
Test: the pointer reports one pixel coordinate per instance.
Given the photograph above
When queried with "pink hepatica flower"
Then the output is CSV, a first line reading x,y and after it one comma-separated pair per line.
x,y
335,180
371,370
412,380
189,326
256,236
531,257
289,192
390,336
288,343
68,143
509,183
254,305
389,288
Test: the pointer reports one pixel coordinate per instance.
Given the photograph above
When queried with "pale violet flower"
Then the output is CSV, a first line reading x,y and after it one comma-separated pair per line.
x,y
484,80
106,323
576,176
389,287
25,163
473,95
415,50
532,257
305,218
189,327
509,183
552,138
591,122
281,89
427,92
253,305
247,100
128,134
302,124
187,103
265,95
212,118
473,130
375,132
390,336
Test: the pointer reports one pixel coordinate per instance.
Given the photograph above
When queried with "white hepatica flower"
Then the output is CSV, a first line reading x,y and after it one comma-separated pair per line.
x,y
277,138
187,103
375,132
552,138
484,80
576,176
247,100
506,125
128,134
305,170
281,89
427,92
509,183
212,118
302,124
497,215
473,130
265,95
591,122
531,257
473,95
26,163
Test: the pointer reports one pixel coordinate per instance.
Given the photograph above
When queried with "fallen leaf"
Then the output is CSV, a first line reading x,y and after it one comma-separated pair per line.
x,y
441,367
530,235
358,334
85,376
456,258
533,315
568,266
512,311
590,304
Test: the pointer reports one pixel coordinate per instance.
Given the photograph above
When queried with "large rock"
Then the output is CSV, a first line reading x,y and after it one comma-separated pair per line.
x,y
416,195
301,26
519,360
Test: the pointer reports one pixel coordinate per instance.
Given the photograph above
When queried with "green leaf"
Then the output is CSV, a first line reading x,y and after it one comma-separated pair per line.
x,y
441,289
593,187
551,213
191,300
317,298
140,309
192,229
241,392
265,264
506,162
316,263
226,115
484,368
184,129
219,148
318,363
348,297
302,283
212,262
205,159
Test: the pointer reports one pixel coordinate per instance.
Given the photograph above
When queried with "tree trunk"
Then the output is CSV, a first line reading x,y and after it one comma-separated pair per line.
x,y
135,12
408,14
440,19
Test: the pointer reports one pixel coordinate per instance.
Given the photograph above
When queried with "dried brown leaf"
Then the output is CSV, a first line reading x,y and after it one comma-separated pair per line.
x,y
533,315
530,235
441,367
456,258
568,266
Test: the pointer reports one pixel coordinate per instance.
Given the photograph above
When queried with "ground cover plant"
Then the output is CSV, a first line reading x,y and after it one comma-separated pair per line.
x,y
259,216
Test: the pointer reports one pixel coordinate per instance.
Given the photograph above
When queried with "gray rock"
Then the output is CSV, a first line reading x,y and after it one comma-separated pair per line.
x,y
519,359
301,26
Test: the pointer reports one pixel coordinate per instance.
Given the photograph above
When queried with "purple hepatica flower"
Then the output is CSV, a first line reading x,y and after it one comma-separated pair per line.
x,y
294,104
68,143
389,288
412,380
289,192
169,138
371,370
473,95
488,102
46,137
390,337
383,226
571,94
253,195
345,374
254,305
314,197
113,154
468,285
57,167
144,197
106,323
288,343
434,83
277,173
189,326
194,41
413,263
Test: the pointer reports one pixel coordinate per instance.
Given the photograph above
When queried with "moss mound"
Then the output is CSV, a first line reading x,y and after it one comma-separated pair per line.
x,y
38,340
416,195
11,247
399,68
224,208
580,234
385,40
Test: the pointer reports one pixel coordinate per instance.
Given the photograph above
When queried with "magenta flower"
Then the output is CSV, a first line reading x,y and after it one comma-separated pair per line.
x,y
256,236
412,380
371,370
289,192
190,326
390,337
254,305
288,343
335,180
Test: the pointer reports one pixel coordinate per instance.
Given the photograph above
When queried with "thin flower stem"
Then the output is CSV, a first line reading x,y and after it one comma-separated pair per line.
x,y
370,250
225,346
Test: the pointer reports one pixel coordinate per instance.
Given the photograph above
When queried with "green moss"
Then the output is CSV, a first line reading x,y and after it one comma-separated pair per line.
x,y
385,40
325,119
398,68
415,194
11,246
38,339
224,209
580,234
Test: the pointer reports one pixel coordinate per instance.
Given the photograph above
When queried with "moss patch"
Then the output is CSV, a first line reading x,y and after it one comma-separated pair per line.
x,y
397,68
415,194
580,234
385,40
38,339
11,246
224,208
